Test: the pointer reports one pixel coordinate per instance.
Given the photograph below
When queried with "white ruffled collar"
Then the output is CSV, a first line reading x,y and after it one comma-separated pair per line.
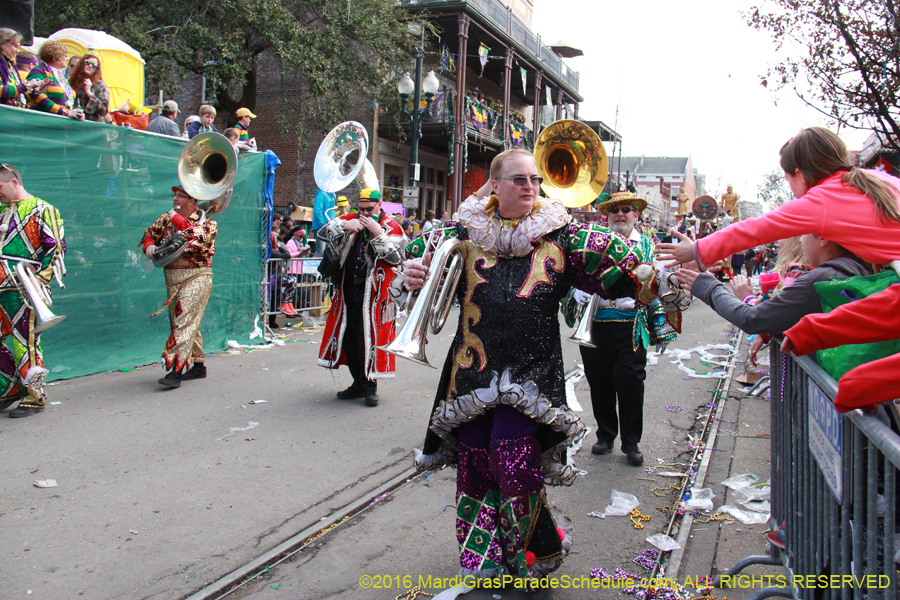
x,y
510,237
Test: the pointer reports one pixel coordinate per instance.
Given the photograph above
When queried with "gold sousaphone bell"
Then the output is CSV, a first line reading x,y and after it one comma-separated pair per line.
x,y
572,160
207,167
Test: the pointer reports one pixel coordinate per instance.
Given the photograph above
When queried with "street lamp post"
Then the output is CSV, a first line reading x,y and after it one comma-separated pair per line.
x,y
407,86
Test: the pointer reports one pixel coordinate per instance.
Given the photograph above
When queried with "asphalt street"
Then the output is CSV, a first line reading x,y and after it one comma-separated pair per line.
x,y
161,492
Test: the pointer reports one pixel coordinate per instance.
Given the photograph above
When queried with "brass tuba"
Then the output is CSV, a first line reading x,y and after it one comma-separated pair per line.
x,y
572,160
206,170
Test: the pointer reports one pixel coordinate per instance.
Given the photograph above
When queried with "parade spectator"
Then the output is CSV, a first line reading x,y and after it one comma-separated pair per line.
x,y
70,66
855,208
26,60
187,124
243,126
444,217
13,85
298,248
749,254
205,124
91,93
783,310
233,136
165,122
57,97
428,223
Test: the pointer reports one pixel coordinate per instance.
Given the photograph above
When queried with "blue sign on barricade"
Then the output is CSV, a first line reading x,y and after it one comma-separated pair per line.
x,y
825,438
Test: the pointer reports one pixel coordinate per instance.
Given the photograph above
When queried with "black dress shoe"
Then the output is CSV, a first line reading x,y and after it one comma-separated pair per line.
x,y
172,379
198,371
351,393
24,411
601,447
634,455
371,398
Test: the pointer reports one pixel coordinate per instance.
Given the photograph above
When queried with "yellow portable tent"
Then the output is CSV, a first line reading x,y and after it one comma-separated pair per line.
x,y
123,67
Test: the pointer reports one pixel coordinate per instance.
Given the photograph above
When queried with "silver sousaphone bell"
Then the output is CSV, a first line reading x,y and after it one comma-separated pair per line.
x,y
206,169
341,158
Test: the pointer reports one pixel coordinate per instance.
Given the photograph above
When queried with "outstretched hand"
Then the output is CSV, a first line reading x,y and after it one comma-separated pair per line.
x,y
686,278
677,252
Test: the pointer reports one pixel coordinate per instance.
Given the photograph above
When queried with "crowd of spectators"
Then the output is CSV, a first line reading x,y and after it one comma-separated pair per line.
x,y
73,86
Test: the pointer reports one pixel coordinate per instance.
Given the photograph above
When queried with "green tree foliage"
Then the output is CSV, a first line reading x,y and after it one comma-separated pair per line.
x,y
324,50
845,58
774,190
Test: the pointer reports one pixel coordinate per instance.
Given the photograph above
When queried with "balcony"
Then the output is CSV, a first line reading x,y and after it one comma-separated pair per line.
x,y
503,19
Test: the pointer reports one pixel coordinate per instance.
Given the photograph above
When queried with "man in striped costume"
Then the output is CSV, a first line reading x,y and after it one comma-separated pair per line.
x,y
31,231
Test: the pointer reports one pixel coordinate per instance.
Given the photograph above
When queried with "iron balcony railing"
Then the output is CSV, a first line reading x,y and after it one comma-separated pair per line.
x,y
503,18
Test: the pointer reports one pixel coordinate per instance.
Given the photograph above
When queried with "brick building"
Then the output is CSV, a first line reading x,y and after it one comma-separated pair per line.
x,y
658,179
454,153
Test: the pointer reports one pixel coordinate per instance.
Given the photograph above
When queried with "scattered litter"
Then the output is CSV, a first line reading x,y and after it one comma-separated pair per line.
x,y
663,542
747,517
571,379
736,482
132,532
45,483
257,401
256,332
621,504
275,585
55,403
674,409
647,559
233,430
701,499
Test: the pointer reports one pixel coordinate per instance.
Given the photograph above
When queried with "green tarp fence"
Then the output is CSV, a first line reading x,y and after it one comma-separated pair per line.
x,y
110,183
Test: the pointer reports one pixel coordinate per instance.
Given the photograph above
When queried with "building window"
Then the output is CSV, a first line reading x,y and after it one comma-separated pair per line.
x,y
208,93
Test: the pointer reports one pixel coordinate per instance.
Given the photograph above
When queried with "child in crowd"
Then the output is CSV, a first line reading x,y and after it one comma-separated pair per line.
x,y
233,136
205,124
243,126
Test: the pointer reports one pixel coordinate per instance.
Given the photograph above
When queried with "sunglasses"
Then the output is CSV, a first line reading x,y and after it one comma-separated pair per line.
x,y
91,64
625,210
366,208
5,166
521,180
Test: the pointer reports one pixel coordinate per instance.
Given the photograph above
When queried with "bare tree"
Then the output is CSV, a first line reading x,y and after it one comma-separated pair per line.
x,y
848,63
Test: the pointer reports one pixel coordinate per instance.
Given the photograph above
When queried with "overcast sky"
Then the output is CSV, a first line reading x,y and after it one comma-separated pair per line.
x,y
685,78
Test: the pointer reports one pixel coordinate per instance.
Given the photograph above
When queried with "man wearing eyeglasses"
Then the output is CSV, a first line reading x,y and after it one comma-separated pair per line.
x,y
31,232
188,284
623,329
362,311
500,410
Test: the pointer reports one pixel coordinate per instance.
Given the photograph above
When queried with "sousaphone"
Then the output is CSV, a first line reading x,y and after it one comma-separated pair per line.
x,y
572,160
206,170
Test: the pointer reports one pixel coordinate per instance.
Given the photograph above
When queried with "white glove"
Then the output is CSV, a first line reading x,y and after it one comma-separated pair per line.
x,y
581,297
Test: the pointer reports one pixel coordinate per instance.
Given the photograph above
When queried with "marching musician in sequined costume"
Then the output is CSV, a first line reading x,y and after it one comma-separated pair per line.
x,y
31,231
500,411
363,310
188,284
622,330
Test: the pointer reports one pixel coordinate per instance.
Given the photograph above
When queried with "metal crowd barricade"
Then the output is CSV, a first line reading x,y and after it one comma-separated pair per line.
x,y
834,484
296,281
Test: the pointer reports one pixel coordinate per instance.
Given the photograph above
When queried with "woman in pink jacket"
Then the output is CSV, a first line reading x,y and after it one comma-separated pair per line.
x,y
857,209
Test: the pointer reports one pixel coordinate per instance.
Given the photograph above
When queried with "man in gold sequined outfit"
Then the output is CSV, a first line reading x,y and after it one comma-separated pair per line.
x,y
188,283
